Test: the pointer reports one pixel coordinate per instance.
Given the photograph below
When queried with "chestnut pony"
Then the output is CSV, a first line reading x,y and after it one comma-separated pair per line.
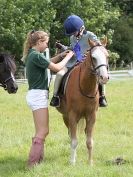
x,y
81,98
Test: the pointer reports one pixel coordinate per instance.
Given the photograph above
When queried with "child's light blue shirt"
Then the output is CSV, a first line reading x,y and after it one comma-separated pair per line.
x,y
80,46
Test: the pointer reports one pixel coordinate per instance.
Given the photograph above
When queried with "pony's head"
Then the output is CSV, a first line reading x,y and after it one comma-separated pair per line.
x,y
7,71
99,58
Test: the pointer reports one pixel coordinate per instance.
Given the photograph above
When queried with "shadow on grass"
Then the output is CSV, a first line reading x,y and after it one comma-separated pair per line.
x,y
11,165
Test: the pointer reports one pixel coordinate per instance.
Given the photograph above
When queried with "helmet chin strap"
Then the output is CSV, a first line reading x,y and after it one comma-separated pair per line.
x,y
80,33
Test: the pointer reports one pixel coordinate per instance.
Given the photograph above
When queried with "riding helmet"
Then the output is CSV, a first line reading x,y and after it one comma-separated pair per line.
x,y
72,24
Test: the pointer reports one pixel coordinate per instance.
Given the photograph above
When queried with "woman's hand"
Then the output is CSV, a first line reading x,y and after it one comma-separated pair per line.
x,y
69,54
66,52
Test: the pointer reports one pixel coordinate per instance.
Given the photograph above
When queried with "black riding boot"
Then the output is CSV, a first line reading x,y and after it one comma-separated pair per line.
x,y
102,98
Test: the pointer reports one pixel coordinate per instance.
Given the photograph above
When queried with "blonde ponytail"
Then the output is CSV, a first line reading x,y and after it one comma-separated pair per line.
x,y
31,40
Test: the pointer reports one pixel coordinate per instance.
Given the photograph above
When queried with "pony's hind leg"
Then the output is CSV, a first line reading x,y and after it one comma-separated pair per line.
x,y
73,136
89,136
66,121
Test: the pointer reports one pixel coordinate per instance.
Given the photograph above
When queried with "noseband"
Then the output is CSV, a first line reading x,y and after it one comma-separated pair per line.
x,y
4,84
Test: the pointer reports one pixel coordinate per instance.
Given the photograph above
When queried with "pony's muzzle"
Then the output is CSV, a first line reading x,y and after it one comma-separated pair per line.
x,y
12,88
103,79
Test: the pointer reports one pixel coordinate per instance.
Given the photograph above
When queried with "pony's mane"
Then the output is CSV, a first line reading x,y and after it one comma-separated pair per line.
x,y
9,60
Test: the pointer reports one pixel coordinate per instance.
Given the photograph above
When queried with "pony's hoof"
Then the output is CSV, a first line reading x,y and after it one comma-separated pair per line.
x,y
91,163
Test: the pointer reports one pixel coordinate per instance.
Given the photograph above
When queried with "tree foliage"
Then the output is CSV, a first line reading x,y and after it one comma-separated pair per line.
x,y
123,31
104,17
96,14
17,18
123,39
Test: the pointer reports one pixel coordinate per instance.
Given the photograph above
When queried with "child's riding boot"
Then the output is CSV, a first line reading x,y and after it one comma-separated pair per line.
x,y
102,98
36,152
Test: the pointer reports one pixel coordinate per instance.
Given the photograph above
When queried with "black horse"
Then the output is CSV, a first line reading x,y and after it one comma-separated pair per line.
x,y
7,71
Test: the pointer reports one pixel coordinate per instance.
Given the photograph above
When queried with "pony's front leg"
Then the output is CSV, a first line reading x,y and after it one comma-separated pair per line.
x,y
90,121
74,144
72,131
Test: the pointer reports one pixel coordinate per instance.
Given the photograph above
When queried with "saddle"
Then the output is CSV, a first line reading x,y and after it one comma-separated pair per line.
x,y
65,79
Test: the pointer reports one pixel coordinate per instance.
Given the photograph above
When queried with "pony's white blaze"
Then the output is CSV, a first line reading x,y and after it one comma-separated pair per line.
x,y
100,55
13,78
103,79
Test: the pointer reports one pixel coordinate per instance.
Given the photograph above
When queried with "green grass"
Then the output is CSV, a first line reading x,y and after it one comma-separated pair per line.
x,y
113,137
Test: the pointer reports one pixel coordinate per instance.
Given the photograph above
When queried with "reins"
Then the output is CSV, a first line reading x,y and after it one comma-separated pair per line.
x,y
88,96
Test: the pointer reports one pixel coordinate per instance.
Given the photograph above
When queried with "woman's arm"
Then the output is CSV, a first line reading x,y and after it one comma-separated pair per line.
x,y
57,67
59,57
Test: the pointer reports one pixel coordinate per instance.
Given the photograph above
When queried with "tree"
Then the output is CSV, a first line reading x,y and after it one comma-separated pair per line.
x,y
123,31
97,15
123,39
17,18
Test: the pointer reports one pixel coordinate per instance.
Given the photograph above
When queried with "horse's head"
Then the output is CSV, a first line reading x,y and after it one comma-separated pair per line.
x,y
7,71
99,58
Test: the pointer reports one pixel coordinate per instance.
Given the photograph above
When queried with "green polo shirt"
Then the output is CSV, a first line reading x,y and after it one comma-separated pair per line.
x,y
36,70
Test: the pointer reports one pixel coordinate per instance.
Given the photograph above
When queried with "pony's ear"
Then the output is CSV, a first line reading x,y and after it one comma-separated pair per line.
x,y
104,41
91,43
13,57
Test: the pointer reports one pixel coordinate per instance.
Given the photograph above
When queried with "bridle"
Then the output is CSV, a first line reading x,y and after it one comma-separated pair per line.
x,y
4,83
97,67
93,71
6,80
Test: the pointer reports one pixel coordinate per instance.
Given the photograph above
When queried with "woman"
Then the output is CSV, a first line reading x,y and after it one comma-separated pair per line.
x,y
37,96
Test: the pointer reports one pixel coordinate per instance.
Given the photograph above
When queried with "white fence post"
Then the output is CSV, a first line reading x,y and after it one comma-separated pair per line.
x,y
24,72
48,58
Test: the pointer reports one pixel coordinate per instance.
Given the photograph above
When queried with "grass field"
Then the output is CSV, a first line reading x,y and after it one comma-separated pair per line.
x,y
113,137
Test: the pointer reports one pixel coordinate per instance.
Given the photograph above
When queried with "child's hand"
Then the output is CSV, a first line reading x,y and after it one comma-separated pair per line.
x,y
60,46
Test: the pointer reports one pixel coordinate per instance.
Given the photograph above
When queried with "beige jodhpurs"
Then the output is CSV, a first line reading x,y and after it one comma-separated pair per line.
x,y
59,76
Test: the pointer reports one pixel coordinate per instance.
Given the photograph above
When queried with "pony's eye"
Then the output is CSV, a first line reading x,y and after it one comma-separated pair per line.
x,y
94,58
